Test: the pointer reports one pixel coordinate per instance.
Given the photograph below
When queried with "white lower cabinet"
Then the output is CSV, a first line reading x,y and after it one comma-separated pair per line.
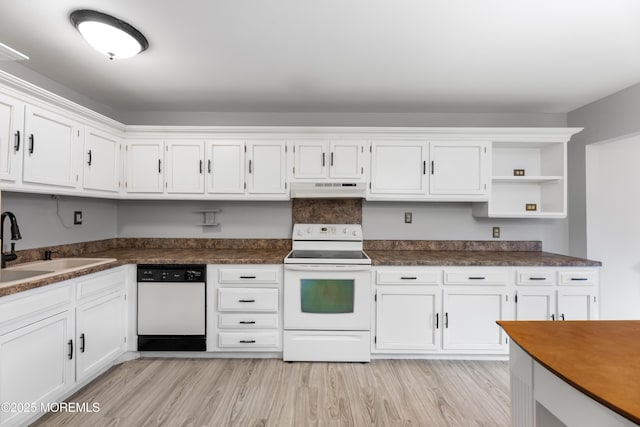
x,y
244,308
57,338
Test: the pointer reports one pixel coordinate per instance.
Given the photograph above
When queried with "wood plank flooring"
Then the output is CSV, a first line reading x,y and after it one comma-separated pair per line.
x,y
270,392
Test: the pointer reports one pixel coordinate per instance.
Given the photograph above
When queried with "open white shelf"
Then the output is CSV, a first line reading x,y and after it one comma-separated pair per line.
x,y
527,179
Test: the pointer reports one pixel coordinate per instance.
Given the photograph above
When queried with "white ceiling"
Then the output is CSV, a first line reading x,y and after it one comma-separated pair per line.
x,y
528,56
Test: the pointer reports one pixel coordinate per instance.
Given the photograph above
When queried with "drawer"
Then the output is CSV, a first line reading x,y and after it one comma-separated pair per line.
x,y
51,301
409,277
249,275
536,277
475,277
248,321
101,285
240,340
579,278
247,299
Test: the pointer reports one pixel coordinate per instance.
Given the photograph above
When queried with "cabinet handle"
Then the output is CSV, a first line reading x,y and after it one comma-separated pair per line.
x,y
246,300
201,164
31,144
579,279
331,162
82,342
89,161
553,316
209,166
408,278
16,142
437,320
446,320
247,277
247,322
247,341
476,278
537,278
322,159
562,316
70,344
424,167
249,166
433,167
159,166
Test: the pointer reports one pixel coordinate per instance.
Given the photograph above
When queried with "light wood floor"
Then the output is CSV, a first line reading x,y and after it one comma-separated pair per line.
x,y
270,392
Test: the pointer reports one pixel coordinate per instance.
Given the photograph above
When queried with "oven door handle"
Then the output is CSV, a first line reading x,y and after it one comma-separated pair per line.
x,y
326,267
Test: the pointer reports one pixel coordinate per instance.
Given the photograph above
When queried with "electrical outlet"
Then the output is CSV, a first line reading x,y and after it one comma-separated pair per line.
x,y
77,217
408,217
496,232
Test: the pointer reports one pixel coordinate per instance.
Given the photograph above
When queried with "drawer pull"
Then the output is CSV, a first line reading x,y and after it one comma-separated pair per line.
x,y
477,278
579,279
247,277
247,341
408,278
246,300
247,322
537,278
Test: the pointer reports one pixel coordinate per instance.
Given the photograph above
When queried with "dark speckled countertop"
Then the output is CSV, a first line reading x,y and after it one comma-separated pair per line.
x,y
265,251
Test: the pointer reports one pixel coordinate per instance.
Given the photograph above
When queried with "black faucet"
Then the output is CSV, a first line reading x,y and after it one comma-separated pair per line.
x,y
15,235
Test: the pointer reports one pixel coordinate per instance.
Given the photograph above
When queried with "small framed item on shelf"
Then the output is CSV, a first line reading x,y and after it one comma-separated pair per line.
x,y
531,207
518,172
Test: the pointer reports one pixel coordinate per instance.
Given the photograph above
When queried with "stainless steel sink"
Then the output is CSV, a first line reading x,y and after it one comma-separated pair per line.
x,y
42,269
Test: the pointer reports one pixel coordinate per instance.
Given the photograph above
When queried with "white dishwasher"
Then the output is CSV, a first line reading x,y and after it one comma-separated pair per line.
x,y
172,307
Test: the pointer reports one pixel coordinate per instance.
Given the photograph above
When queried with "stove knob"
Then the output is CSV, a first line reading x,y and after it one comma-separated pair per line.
x,y
299,232
345,230
355,233
309,230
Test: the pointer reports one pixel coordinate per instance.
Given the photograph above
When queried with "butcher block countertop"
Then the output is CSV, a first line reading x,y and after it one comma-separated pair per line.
x,y
599,358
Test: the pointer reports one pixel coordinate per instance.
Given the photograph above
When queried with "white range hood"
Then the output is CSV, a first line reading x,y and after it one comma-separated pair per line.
x,y
328,190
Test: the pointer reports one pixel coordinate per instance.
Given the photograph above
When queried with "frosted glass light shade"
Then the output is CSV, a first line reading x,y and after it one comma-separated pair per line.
x,y
108,35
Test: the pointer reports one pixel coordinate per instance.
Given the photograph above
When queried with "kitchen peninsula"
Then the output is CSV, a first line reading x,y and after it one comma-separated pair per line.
x,y
579,373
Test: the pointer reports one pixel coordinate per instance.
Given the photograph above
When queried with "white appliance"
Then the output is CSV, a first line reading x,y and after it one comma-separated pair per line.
x,y
331,190
327,295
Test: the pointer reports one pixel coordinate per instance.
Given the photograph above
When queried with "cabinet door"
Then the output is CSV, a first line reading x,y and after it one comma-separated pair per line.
x,y
36,364
185,167
49,152
458,168
225,167
535,304
100,332
346,160
11,137
266,168
577,304
102,161
407,318
144,166
470,317
310,159
398,168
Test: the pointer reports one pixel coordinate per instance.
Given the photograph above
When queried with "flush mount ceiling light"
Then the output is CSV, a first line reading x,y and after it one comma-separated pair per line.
x,y
111,36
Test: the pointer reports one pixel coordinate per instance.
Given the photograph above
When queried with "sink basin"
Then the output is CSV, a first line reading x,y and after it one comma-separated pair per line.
x,y
10,276
42,269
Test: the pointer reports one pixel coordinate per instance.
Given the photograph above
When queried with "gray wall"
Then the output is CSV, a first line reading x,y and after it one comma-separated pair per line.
x,y
614,116
40,225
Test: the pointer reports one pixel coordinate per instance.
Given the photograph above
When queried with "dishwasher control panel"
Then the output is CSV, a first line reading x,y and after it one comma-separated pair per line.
x,y
172,273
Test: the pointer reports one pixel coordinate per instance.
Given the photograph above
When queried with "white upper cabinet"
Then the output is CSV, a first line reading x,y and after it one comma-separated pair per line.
x,y
145,166
185,166
336,160
398,169
458,169
101,161
225,167
11,137
266,168
51,142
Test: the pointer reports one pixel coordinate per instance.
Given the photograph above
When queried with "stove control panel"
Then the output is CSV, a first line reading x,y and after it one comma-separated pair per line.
x,y
327,232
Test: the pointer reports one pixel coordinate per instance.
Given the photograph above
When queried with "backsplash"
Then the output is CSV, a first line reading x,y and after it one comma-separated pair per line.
x,y
327,211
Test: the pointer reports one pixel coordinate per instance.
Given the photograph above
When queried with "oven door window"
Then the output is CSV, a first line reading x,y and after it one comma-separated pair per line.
x,y
327,296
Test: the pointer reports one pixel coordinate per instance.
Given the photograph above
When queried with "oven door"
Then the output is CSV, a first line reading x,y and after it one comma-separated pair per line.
x,y
327,297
